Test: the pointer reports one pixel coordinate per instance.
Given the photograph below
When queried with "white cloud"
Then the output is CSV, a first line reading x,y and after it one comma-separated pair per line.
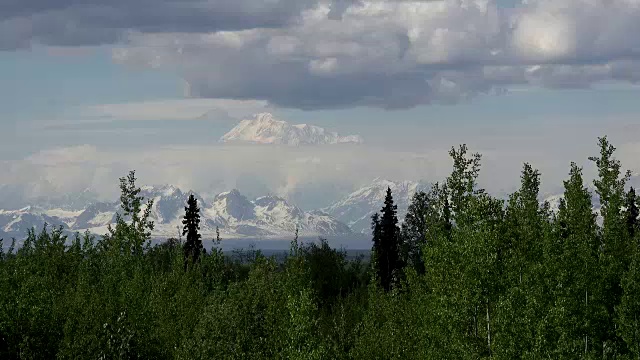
x,y
578,30
176,109
76,156
253,169
395,54
340,53
224,111
312,175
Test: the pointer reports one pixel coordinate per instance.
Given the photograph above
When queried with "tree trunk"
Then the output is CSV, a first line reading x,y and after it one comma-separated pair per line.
x,y
475,321
586,307
488,328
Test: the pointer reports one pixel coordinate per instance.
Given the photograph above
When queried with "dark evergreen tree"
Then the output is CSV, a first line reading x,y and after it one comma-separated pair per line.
x,y
386,243
632,213
191,226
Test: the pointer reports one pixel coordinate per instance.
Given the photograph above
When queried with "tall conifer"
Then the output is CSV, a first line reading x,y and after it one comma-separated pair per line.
x,y
191,226
386,244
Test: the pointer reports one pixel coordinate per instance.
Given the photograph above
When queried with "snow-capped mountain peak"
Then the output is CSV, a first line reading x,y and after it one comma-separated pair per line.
x,y
356,208
265,129
164,190
231,206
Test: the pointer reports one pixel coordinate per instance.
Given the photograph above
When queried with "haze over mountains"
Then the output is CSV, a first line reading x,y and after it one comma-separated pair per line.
x,y
236,215
232,212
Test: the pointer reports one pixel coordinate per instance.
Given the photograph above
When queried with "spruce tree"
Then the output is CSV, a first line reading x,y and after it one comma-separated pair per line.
x,y
386,243
191,226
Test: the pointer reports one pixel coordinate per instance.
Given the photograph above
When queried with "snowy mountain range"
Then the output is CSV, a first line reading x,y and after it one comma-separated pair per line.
x,y
357,208
265,129
232,212
235,214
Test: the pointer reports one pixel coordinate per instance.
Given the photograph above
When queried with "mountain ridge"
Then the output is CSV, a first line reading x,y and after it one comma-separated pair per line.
x,y
356,208
235,215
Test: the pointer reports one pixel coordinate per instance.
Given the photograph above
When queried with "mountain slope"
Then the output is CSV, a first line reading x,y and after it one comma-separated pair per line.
x,y
16,223
265,129
356,208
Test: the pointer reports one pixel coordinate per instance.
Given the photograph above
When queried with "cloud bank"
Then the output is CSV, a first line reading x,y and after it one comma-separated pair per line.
x,y
256,170
314,176
337,54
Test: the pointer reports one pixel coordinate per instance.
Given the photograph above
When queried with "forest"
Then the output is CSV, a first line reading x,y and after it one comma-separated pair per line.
x,y
465,276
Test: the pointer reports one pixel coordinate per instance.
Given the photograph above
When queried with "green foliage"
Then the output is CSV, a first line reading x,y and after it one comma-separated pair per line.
x,y
628,311
461,185
414,230
331,276
481,279
632,213
523,293
134,236
614,238
572,271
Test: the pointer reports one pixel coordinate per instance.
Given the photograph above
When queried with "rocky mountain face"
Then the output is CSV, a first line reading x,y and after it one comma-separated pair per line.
x,y
19,222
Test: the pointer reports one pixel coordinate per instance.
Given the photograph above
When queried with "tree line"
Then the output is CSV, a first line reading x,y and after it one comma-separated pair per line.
x,y
465,275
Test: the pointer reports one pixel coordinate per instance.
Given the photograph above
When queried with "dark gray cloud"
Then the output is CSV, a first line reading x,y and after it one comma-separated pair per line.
x,y
95,22
314,54
294,87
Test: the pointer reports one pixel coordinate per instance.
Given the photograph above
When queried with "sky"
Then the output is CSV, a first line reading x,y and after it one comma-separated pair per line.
x,y
90,90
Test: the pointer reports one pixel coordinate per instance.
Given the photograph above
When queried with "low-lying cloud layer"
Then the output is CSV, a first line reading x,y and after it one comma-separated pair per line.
x,y
313,176
255,170
318,54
